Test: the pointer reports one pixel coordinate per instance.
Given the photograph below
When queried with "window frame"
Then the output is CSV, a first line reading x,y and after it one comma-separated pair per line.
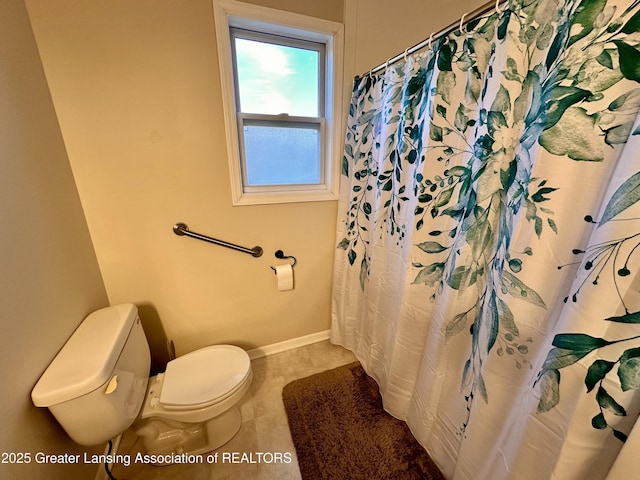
x,y
258,20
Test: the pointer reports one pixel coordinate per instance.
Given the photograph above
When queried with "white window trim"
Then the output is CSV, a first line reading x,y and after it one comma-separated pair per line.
x,y
239,14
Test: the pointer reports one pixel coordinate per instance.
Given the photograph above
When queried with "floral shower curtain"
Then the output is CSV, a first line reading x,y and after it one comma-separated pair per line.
x,y
489,223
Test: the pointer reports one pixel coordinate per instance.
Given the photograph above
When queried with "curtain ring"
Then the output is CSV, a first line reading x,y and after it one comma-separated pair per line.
x,y
462,23
498,7
386,66
405,53
430,40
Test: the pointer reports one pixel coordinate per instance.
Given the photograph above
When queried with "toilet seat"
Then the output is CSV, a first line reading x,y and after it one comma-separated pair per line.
x,y
204,377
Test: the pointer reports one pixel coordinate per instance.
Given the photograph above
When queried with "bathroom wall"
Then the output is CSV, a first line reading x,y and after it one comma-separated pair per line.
x,y
137,93
326,9
50,279
136,90
382,29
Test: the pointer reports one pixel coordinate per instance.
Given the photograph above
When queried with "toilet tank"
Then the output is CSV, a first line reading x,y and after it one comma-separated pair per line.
x,y
96,385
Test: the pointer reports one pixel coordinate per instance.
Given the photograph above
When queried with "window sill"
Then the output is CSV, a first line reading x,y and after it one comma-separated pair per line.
x,y
289,196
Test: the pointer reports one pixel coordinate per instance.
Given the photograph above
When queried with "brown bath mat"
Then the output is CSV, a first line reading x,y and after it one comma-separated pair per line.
x,y
341,431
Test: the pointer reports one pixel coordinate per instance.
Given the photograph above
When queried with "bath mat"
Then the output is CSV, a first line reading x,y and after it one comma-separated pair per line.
x,y
341,431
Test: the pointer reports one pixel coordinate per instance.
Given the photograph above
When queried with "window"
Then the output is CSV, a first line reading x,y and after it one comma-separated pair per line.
x,y
281,97
279,103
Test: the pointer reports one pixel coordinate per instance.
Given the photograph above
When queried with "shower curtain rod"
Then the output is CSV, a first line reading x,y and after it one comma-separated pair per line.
x,y
466,18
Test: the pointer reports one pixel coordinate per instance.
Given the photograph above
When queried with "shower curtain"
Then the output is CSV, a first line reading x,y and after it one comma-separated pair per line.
x,y
487,244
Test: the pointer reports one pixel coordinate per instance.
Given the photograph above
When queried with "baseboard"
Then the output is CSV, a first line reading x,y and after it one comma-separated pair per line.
x,y
288,344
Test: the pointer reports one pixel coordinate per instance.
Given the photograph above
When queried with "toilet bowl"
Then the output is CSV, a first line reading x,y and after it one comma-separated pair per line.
x,y
98,386
192,408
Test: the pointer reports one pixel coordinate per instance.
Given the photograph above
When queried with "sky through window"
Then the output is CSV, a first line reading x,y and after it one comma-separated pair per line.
x,y
275,79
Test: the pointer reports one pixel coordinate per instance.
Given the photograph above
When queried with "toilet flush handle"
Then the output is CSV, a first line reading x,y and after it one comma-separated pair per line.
x,y
113,384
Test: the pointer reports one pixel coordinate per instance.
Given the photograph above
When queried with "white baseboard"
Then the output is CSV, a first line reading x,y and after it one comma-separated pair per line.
x,y
288,344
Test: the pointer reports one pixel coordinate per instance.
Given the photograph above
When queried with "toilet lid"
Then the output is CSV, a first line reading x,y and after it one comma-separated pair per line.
x,y
205,375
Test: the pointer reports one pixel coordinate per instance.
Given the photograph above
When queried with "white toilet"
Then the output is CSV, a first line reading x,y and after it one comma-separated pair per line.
x,y
98,386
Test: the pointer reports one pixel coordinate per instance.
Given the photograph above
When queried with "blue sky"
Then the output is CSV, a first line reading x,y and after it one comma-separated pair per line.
x,y
276,79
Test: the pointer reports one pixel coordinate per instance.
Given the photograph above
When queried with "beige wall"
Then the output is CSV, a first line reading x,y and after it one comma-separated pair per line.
x,y
137,93
325,9
385,28
50,278
136,89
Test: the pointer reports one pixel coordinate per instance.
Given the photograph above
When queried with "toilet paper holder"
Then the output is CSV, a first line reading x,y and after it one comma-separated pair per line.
x,y
280,254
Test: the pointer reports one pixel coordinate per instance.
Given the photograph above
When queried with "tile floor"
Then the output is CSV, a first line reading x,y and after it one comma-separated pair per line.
x,y
264,422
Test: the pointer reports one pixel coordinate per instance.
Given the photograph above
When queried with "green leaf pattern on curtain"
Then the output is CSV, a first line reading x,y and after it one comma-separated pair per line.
x,y
556,95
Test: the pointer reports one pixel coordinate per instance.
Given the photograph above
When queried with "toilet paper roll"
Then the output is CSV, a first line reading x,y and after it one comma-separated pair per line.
x,y
284,273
